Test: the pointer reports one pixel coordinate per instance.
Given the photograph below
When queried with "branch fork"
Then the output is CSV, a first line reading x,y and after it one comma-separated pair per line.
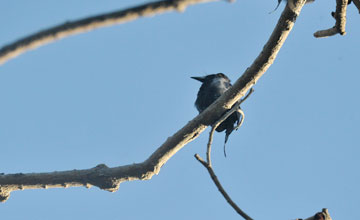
x,y
340,16
207,164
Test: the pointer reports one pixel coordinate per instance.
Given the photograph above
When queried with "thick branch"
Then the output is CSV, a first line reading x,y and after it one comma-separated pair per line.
x,y
101,176
87,24
340,17
114,176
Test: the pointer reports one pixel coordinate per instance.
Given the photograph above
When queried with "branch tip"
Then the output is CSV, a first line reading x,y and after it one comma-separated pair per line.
x,y
69,28
4,195
198,158
340,16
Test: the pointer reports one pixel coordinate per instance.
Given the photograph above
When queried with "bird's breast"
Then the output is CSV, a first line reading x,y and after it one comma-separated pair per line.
x,y
220,85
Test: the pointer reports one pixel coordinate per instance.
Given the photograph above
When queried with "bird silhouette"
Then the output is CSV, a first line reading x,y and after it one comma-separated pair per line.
x,y
213,86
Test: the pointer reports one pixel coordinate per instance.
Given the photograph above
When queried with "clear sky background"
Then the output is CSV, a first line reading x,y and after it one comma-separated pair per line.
x,y
114,95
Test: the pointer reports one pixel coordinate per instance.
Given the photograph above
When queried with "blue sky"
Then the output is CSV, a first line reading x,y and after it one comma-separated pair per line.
x,y
114,95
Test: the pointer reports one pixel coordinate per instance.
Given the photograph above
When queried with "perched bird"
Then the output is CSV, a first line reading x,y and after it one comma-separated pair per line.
x,y
213,86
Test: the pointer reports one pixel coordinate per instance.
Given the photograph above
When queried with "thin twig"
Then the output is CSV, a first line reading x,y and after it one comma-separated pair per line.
x,y
241,111
340,17
242,118
208,165
150,167
69,28
217,123
323,215
233,109
221,189
208,151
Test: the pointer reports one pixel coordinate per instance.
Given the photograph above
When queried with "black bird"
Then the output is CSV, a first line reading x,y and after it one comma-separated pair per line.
x,y
213,86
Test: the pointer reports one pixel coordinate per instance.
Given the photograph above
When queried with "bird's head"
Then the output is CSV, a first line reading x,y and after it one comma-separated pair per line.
x,y
212,78
212,87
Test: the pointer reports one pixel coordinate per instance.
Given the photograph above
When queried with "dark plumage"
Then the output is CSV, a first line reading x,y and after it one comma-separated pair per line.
x,y
213,86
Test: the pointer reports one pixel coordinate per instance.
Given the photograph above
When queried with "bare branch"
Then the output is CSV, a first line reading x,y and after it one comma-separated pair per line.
x,y
357,4
221,189
208,165
101,176
240,111
323,215
326,33
69,28
340,17
250,77
208,151
146,169
223,118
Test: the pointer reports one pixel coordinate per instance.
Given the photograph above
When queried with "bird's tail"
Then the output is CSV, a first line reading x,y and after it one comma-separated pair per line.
x,y
227,134
230,129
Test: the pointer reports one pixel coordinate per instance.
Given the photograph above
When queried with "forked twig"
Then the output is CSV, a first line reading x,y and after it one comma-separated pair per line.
x,y
69,28
207,164
340,17
241,111
152,165
221,189
323,215
236,107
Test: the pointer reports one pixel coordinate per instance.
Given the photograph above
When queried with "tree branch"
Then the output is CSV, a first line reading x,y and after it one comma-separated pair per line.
x,y
357,4
340,17
145,170
323,215
69,28
220,188
208,165
235,108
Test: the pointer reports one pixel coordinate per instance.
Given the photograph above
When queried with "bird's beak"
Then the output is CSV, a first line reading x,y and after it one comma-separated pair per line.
x,y
201,79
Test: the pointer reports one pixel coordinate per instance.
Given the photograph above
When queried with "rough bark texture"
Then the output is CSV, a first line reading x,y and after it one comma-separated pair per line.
x,y
110,178
340,17
87,24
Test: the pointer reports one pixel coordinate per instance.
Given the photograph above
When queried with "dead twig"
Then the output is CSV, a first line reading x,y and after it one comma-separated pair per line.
x,y
340,17
240,111
151,166
247,80
233,109
69,28
323,215
220,188
208,165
